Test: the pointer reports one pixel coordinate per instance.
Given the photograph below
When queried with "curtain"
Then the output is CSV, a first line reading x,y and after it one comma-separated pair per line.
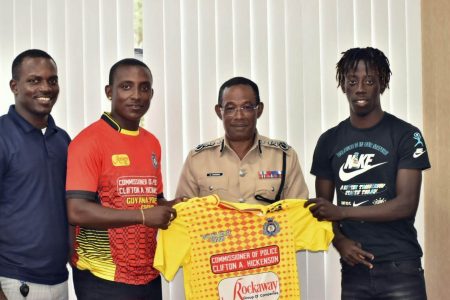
x,y
288,47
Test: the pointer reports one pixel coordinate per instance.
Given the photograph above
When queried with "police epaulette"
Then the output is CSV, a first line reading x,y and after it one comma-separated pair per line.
x,y
276,144
207,145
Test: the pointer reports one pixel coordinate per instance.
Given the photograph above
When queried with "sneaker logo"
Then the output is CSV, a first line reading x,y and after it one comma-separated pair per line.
x,y
361,162
419,152
358,204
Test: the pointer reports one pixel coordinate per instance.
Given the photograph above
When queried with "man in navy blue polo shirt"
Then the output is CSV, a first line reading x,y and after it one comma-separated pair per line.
x,y
33,153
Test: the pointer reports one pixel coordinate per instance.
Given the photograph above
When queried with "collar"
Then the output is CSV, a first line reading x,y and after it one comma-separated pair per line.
x,y
26,126
256,144
110,121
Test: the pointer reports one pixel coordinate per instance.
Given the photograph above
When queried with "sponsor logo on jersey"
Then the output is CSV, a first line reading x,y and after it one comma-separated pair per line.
x,y
418,139
120,160
245,260
216,237
418,152
264,286
271,227
154,161
357,164
135,186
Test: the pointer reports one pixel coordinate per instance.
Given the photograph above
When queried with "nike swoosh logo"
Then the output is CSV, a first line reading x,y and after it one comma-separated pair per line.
x,y
358,204
347,176
419,152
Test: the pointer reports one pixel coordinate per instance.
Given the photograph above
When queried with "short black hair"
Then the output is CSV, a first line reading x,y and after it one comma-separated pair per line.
x,y
126,62
17,62
371,57
236,81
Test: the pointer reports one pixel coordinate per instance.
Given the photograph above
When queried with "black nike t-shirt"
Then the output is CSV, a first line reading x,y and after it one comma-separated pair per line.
x,y
363,164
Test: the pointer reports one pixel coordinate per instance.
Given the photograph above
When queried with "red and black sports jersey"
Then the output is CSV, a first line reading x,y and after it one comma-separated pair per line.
x,y
119,169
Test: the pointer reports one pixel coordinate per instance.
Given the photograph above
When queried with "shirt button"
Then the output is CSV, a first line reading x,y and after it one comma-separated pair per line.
x,y
241,200
211,187
242,172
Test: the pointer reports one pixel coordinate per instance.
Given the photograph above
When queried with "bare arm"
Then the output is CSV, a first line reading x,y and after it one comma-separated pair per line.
x,y
349,250
325,190
88,214
2,295
401,207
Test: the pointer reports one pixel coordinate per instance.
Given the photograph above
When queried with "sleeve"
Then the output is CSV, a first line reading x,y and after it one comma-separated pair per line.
x,y
309,233
83,168
187,184
295,181
173,246
3,158
412,151
321,164
66,135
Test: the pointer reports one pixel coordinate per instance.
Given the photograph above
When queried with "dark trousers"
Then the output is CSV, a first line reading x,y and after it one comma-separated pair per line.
x,y
394,280
90,287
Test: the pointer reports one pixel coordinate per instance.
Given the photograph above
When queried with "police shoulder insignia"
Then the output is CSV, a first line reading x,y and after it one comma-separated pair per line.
x,y
271,227
207,145
277,144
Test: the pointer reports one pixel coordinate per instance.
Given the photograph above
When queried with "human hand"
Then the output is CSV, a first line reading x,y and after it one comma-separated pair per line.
x,y
351,252
2,295
324,209
159,216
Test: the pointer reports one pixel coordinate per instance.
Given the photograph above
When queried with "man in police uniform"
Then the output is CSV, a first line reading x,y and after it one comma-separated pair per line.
x,y
243,166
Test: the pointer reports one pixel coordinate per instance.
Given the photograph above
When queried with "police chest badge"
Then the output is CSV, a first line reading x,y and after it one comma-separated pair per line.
x,y
271,227
154,161
270,174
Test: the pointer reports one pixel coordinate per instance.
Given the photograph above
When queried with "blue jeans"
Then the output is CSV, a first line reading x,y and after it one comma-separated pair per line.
x,y
90,287
393,280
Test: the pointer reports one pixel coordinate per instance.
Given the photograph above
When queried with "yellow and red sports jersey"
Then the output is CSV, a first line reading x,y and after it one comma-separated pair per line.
x,y
237,251
119,169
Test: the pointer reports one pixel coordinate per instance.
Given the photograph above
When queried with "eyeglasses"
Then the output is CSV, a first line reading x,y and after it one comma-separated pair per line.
x,y
231,110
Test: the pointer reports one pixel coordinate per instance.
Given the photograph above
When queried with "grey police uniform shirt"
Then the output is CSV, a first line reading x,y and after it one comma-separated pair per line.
x,y
214,168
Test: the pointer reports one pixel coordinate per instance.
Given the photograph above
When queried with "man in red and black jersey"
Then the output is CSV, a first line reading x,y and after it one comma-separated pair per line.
x,y
115,194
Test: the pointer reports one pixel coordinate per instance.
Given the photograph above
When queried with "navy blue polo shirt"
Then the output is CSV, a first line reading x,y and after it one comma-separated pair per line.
x,y
34,243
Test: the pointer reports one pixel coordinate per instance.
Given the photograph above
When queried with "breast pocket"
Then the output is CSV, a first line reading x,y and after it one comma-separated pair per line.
x,y
268,188
213,184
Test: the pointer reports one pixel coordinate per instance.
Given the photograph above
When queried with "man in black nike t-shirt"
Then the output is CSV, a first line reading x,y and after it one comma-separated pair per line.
x,y
374,162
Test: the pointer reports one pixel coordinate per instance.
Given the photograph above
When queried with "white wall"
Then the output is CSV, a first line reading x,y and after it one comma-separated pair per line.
x,y
289,47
